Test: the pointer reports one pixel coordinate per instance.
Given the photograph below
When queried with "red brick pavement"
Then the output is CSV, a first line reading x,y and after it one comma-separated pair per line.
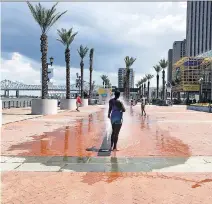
x,y
166,131
105,188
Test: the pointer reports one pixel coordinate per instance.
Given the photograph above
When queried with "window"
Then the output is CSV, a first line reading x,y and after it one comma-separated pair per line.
x,y
195,28
190,28
210,34
206,27
203,5
198,27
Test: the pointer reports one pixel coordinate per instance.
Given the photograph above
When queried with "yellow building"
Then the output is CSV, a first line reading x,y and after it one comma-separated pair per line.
x,y
187,72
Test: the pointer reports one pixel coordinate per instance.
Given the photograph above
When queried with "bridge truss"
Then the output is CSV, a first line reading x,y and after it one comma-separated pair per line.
x,y
18,86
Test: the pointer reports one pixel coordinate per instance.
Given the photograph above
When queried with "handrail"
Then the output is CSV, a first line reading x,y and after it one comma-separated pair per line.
x,y
7,104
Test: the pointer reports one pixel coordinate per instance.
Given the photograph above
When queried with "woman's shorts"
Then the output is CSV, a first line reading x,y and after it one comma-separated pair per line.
x,y
116,121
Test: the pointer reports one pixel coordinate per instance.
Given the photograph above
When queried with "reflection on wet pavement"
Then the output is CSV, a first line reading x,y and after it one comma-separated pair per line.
x,y
68,141
139,136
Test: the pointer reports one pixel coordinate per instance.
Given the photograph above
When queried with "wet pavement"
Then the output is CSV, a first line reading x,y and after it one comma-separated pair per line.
x,y
169,149
160,133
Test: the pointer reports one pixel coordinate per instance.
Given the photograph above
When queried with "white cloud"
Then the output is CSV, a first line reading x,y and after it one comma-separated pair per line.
x,y
128,23
145,31
25,70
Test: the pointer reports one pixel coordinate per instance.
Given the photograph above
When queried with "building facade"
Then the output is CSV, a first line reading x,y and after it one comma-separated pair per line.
x,y
122,74
187,74
198,27
179,50
169,70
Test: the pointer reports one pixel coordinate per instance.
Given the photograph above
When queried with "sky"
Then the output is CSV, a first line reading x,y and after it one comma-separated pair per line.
x,y
143,30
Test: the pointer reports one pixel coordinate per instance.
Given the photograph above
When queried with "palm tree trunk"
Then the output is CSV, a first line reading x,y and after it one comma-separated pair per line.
x,y
44,49
163,84
144,89
124,86
128,84
91,70
68,86
157,85
82,67
148,91
90,89
139,91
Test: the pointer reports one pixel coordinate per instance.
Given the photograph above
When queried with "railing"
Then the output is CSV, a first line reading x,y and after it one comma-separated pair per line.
x,y
16,103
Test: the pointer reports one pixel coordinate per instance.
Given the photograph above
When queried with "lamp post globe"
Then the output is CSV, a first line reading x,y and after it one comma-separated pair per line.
x,y
51,60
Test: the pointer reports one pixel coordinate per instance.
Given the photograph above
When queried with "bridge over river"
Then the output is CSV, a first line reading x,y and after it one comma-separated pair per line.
x,y
7,86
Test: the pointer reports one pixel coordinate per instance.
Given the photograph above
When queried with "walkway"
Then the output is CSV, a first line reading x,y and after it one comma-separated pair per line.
x,y
163,158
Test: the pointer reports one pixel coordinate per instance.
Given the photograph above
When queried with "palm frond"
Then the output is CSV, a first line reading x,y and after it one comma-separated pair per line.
x,y
45,17
129,61
104,77
66,36
91,53
149,76
144,79
82,51
163,63
157,68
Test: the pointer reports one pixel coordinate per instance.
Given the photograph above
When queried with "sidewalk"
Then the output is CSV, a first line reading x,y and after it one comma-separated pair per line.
x,y
45,160
16,114
28,130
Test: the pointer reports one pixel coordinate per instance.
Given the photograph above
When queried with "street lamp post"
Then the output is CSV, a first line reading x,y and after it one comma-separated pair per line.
x,y
48,72
78,82
170,86
92,88
200,93
50,63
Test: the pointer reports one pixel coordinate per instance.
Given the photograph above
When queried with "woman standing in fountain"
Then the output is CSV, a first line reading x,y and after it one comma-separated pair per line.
x,y
115,114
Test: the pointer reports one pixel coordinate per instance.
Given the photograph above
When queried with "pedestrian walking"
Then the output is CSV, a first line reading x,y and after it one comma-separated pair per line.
x,y
78,102
131,106
143,108
115,114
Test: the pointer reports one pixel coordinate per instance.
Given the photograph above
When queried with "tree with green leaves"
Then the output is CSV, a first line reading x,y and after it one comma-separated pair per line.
x,y
128,63
163,64
82,53
66,37
91,69
45,18
158,70
148,77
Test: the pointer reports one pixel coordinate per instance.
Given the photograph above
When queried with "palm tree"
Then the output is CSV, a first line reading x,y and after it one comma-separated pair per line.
x,y
142,87
138,85
66,38
82,53
46,18
107,82
104,80
163,64
148,77
128,62
144,82
157,69
91,69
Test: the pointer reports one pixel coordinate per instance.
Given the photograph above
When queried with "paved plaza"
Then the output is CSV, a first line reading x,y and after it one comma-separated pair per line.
x,y
165,157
